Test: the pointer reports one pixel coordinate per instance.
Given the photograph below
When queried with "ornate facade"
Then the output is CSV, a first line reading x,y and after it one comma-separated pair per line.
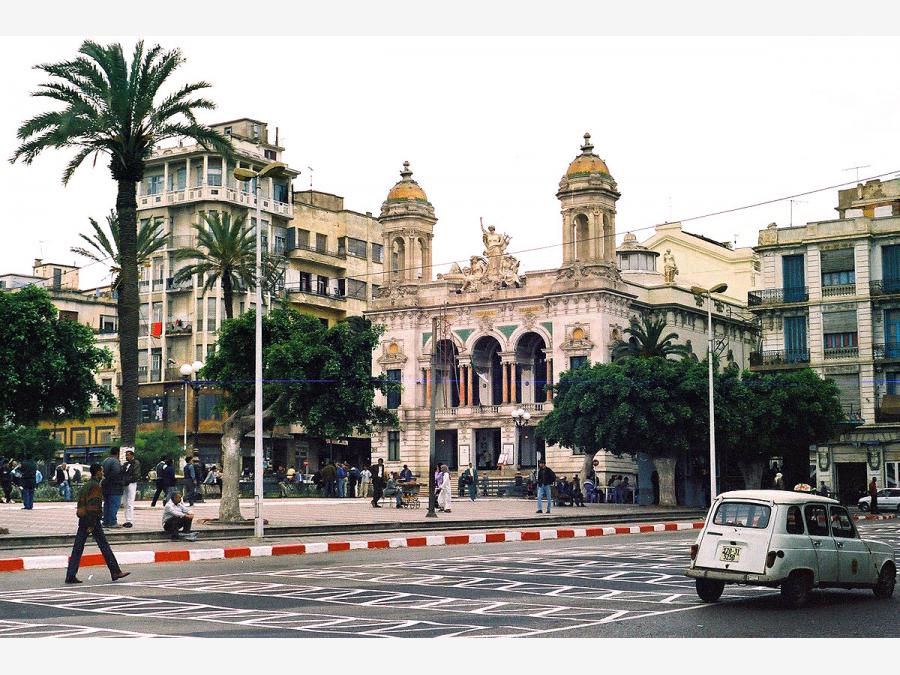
x,y
484,338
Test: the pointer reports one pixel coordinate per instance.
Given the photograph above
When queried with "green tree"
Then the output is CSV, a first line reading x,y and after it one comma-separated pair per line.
x,y
47,364
114,108
652,405
151,446
18,441
226,252
105,248
647,340
318,377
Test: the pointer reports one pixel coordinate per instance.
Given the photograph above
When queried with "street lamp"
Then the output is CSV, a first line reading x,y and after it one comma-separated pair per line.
x,y
272,169
697,290
520,419
188,376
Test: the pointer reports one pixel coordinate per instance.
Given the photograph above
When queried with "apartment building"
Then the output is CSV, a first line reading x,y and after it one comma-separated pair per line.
x,y
830,300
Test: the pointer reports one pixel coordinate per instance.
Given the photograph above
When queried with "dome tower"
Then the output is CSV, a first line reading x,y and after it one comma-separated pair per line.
x,y
407,218
588,196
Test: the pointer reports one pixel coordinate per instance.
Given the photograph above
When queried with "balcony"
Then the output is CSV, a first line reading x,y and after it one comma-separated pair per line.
x,y
888,409
882,351
838,290
183,285
777,296
204,193
841,353
884,287
779,359
307,295
499,414
179,327
321,255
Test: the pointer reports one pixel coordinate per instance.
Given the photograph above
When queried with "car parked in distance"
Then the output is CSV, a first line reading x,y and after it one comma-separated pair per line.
x,y
796,541
888,500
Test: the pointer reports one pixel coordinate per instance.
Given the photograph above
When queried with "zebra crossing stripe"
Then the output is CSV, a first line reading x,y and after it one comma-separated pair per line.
x,y
193,555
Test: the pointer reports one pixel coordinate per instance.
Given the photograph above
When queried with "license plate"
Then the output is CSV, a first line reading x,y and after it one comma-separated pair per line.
x,y
730,553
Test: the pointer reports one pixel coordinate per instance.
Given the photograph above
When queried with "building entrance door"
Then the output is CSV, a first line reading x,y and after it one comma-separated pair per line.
x,y
531,449
851,481
445,448
487,447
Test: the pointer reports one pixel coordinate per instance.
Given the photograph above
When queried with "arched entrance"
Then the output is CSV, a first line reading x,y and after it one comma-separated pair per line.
x,y
531,369
446,375
488,380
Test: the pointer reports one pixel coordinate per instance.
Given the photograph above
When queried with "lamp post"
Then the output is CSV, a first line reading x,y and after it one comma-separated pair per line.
x,y
189,377
520,418
697,290
241,174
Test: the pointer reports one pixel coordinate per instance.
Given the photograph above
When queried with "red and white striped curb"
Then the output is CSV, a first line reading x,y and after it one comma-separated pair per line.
x,y
875,517
46,562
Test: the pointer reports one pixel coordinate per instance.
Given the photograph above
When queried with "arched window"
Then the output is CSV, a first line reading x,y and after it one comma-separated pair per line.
x,y
581,237
420,269
398,259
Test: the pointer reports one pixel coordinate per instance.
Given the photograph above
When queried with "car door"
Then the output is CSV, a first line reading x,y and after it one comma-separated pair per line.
x,y
855,563
816,518
891,498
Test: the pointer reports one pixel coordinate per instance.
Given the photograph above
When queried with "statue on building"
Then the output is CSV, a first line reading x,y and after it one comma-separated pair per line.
x,y
670,269
474,273
494,247
509,272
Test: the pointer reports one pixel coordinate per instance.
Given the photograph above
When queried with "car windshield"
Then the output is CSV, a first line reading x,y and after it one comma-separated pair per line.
x,y
742,514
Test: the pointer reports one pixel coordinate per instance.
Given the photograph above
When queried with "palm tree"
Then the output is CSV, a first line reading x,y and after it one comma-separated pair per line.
x,y
647,340
105,248
226,251
113,108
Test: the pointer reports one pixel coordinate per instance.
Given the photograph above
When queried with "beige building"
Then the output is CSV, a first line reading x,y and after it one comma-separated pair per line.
x,y
829,299
706,262
499,336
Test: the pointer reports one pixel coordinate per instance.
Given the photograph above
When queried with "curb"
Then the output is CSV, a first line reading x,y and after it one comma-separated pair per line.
x,y
189,555
875,517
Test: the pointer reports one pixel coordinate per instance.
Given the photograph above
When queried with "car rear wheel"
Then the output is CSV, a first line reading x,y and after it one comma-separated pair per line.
x,y
884,587
795,590
863,506
710,590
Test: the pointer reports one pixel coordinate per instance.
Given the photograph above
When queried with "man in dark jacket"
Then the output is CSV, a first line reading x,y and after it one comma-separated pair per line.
x,y
112,488
190,479
6,479
28,472
329,477
131,474
379,476
545,479
91,504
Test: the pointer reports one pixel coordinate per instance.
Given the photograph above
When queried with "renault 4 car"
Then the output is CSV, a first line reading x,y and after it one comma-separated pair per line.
x,y
791,540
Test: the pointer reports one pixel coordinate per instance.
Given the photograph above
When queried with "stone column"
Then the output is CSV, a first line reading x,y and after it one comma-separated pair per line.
x,y
549,364
462,385
187,175
428,387
165,176
512,382
205,170
469,382
505,397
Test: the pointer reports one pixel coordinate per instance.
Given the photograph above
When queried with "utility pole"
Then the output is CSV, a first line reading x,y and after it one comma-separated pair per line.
x,y
435,322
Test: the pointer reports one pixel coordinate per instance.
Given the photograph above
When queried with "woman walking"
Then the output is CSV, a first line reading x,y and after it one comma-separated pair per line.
x,y
443,489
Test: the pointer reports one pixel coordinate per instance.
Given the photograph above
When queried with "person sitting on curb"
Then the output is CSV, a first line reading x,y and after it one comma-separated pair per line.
x,y
178,517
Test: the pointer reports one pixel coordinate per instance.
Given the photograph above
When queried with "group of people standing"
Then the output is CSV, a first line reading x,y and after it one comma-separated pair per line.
x,y
25,474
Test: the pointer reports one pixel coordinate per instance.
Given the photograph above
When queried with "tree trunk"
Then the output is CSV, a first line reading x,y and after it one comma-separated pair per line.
x,y
128,304
665,467
752,471
228,295
232,433
587,466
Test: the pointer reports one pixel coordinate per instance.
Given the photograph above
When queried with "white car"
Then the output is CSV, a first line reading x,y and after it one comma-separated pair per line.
x,y
793,540
888,500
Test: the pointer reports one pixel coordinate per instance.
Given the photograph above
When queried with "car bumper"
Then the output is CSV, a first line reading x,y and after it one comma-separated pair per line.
x,y
730,577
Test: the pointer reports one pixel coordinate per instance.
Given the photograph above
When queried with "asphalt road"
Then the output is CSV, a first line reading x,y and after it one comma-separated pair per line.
x,y
622,586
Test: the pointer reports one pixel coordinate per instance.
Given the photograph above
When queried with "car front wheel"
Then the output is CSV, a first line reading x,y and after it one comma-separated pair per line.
x,y
884,587
710,590
863,506
795,590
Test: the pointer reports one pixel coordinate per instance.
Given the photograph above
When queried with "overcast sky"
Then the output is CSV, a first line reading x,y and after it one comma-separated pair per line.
x,y
686,125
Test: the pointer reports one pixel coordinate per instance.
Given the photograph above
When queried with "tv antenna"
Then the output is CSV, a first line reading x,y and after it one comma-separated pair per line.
x,y
798,201
857,168
310,178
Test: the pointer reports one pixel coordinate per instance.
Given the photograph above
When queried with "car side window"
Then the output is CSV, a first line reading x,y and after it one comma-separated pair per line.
x,y
816,520
794,522
842,524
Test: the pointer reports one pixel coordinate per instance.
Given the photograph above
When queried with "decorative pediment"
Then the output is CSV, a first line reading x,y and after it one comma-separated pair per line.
x,y
392,353
577,338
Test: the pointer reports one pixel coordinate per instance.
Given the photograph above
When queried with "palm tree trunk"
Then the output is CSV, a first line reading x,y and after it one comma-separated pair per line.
x,y
128,304
228,295
665,467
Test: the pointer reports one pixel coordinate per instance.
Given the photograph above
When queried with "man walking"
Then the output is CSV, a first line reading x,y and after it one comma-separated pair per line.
x,y
131,473
470,480
365,480
177,519
378,477
165,480
340,480
873,493
190,479
112,488
91,503
27,481
545,479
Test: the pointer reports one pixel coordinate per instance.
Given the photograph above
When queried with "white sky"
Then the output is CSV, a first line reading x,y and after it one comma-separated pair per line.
x,y
686,125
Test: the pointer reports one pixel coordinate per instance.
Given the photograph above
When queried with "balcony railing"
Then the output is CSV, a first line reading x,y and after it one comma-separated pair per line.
x,y
839,289
179,327
778,296
183,285
841,352
884,286
775,358
340,253
307,290
882,351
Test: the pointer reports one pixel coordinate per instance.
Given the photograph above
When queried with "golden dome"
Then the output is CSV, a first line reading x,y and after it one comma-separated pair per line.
x,y
407,188
587,162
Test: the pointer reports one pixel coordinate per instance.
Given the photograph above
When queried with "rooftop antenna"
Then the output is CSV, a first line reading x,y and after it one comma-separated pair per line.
x,y
310,177
41,242
798,201
857,168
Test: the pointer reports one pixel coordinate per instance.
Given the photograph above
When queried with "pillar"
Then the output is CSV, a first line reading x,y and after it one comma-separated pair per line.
x,y
470,396
505,397
203,178
187,175
549,364
428,387
165,176
462,385
512,382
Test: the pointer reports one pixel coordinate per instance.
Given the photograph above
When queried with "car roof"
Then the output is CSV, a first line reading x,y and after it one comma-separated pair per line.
x,y
777,496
